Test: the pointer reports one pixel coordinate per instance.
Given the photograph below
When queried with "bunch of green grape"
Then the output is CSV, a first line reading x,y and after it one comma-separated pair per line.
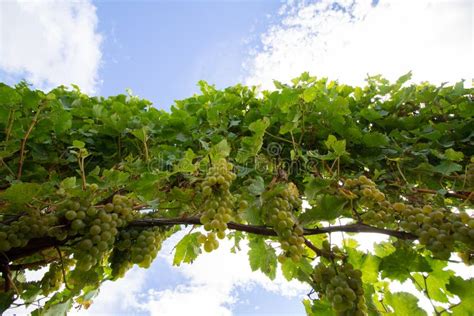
x,y
98,227
137,246
341,285
120,261
148,243
30,224
279,213
371,199
438,230
209,241
218,203
52,279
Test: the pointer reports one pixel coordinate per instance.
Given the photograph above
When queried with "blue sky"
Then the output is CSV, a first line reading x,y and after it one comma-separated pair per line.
x,y
160,49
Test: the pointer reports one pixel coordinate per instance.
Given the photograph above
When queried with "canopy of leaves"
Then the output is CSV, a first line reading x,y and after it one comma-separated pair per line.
x,y
388,158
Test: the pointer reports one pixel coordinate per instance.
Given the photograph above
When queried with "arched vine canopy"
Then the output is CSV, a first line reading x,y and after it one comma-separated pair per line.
x,y
91,186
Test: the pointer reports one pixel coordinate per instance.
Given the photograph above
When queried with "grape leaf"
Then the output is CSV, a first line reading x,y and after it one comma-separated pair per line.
x,y
262,257
187,249
403,304
375,139
399,264
220,150
453,155
6,299
251,145
463,289
21,193
447,167
328,207
318,308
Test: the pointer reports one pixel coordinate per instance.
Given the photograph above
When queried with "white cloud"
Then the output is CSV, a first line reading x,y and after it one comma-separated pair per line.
x,y
434,39
214,280
119,296
50,43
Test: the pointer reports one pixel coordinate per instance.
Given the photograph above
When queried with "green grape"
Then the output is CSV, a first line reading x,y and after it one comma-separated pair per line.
x,y
218,203
341,285
70,215
279,215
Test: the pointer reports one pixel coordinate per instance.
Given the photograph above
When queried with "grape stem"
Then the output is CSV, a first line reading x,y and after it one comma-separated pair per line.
x,y
24,139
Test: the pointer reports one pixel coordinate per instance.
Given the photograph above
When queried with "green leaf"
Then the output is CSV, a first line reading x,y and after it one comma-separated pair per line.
x,y
401,263
358,93
186,163
375,139
187,249
61,121
262,257
251,145
447,167
404,78
436,281
310,93
8,96
220,150
367,263
69,183
253,214
297,270
21,193
147,185
78,144
338,146
256,186
463,289
31,293
403,304
453,155
141,134
315,186
289,269
327,208
370,114
318,308
57,309
6,299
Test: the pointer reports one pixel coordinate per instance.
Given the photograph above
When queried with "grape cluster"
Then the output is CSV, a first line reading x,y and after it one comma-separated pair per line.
x,y
144,244
30,224
52,279
279,207
135,246
370,198
218,203
437,229
209,241
341,285
98,227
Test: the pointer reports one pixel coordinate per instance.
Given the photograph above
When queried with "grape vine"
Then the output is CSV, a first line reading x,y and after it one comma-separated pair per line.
x,y
91,187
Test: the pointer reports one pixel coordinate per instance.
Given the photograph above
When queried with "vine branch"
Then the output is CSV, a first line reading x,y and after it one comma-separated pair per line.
x,y
267,231
39,244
